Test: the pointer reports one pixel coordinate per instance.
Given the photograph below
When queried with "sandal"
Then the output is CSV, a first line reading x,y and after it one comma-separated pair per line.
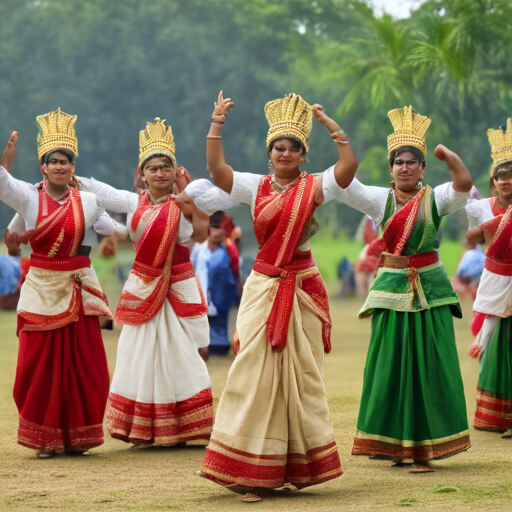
x,y
423,467
507,434
250,497
286,488
45,454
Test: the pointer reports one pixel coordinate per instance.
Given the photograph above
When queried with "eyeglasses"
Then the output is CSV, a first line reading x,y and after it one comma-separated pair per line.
x,y
503,173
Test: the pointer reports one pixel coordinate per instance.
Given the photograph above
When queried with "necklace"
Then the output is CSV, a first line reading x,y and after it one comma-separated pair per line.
x,y
401,199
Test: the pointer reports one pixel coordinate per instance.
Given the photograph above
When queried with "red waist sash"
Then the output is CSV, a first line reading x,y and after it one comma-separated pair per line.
x,y
423,259
279,319
502,269
59,264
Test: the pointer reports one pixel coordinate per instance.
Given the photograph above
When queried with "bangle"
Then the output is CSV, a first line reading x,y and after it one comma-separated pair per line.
x,y
217,122
213,137
340,137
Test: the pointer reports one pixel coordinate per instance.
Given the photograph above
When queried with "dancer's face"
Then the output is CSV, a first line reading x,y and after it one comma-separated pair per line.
x,y
503,182
286,158
407,171
160,175
59,169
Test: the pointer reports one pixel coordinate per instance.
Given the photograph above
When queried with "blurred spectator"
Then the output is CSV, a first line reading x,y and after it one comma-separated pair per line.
x,y
214,267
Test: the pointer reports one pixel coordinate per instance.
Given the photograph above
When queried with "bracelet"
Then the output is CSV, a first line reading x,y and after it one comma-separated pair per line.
x,y
213,137
217,122
340,141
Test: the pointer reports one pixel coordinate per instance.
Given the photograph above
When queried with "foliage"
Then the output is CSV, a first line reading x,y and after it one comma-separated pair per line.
x,y
119,64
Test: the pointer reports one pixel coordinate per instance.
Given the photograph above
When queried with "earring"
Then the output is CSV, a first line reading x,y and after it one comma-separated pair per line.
x,y
420,184
270,165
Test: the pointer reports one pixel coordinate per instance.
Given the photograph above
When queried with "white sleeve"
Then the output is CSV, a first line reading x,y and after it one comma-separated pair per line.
x,y
448,200
209,198
117,201
330,188
16,193
104,225
245,187
478,212
185,230
17,224
369,200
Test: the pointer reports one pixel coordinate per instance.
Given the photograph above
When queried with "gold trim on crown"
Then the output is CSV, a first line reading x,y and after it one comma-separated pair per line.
x,y
501,144
156,139
290,116
56,130
410,129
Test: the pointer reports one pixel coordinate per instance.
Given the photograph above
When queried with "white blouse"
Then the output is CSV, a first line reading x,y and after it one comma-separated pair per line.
x,y
372,200
210,198
24,198
479,211
123,201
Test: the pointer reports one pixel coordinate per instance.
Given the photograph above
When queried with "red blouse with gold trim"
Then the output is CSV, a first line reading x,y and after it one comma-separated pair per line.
x,y
160,264
59,284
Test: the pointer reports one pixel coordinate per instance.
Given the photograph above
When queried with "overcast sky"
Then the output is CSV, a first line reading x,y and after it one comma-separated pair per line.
x,y
397,8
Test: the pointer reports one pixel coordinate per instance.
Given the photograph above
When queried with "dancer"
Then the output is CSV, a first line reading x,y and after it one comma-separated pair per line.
x,y
493,305
273,429
413,405
160,393
62,380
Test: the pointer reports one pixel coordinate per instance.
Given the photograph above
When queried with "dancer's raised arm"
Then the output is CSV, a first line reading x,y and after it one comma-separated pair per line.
x,y
461,179
346,166
220,171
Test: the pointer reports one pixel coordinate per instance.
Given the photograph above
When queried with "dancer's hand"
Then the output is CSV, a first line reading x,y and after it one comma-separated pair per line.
x,y
443,153
461,179
183,178
9,153
319,113
223,106
12,243
324,119
474,351
236,343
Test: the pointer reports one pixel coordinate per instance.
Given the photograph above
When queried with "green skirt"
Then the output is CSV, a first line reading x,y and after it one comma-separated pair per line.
x,y
413,404
494,392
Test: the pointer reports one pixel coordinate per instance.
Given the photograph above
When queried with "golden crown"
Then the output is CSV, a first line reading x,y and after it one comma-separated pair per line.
x,y
410,129
290,116
501,143
156,139
56,130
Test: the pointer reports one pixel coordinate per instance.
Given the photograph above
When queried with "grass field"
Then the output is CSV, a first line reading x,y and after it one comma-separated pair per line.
x,y
114,477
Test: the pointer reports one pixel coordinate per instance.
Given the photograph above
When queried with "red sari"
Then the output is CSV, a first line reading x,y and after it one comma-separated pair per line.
x,y
62,380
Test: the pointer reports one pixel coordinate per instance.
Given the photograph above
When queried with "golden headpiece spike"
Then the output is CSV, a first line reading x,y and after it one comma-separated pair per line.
x,y
156,139
410,129
56,130
501,144
290,116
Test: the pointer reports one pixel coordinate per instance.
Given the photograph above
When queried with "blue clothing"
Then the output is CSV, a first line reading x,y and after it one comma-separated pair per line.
x,y
10,273
213,268
471,265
